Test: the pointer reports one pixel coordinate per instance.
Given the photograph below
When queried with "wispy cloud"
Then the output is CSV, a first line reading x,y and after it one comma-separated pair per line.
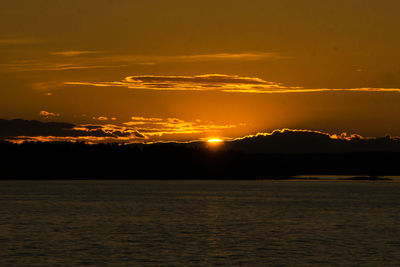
x,y
142,120
208,82
48,115
249,56
104,118
159,127
74,53
78,60
216,82
41,65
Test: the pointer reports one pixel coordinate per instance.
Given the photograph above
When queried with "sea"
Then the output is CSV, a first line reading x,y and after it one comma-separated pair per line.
x,y
324,222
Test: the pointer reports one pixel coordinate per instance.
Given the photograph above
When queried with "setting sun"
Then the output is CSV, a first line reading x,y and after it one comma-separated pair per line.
x,y
215,141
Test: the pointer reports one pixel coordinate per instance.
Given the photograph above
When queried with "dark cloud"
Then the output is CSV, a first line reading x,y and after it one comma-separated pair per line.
x,y
139,135
304,141
18,127
10,129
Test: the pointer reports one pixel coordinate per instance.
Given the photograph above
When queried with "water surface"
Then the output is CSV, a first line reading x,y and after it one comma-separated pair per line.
x,y
200,223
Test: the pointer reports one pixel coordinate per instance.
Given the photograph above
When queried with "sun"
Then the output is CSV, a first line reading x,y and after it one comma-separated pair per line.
x,y
215,141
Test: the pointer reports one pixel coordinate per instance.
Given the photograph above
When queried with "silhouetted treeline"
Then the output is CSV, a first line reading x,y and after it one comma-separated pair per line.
x,y
179,161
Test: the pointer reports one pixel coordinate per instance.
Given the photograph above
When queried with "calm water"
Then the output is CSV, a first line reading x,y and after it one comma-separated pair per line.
x,y
158,223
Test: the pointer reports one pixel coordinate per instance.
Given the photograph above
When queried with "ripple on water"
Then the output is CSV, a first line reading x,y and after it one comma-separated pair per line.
x,y
97,223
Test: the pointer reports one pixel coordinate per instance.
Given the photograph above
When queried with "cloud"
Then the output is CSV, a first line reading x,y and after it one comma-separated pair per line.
x,y
217,82
143,119
139,129
208,82
74,53
249,56
104,118
101,118
107,130
41,65
18,127
78,60
48,115
308,141
153,127
23,129
47,86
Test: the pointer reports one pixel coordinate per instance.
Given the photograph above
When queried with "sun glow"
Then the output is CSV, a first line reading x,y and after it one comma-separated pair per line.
x,y
215,141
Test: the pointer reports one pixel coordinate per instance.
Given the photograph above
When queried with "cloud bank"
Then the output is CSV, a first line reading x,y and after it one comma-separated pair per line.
x,y
138,129
308,141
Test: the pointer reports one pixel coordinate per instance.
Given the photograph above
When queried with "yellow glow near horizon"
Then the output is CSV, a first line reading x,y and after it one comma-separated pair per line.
x,y
215,141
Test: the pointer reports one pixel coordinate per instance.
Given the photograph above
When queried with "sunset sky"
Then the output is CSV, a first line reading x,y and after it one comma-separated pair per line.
x,y
188,70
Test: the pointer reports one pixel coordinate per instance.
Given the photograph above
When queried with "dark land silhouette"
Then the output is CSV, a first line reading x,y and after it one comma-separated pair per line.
x,y
181,161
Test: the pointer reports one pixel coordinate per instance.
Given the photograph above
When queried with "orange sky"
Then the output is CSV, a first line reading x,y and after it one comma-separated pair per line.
x,y
184,70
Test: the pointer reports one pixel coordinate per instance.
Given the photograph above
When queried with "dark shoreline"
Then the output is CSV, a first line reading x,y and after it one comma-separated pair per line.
x,y
305,178
58,161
